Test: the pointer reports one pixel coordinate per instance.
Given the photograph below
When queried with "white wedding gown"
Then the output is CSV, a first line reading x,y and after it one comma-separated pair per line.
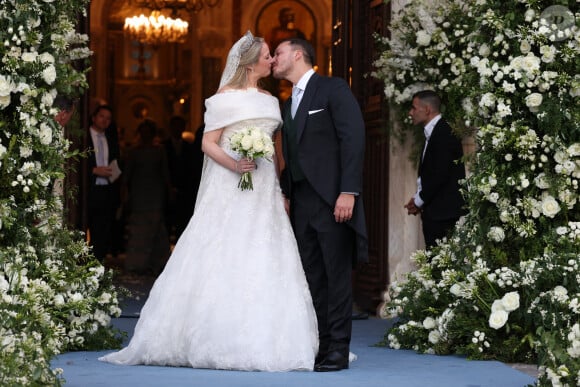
x,y
233,294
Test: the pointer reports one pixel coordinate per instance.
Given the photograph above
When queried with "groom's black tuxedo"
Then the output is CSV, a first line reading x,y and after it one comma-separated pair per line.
x,y
330,136
323,148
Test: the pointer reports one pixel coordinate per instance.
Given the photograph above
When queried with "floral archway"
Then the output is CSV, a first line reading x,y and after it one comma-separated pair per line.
x,y
506,285
54,296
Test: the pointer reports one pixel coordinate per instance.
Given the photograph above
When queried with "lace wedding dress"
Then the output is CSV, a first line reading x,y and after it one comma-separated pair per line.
x,y
233,294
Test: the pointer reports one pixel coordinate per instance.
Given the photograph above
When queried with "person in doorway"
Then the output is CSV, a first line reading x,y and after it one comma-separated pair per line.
x,y
185,159
438,198
103,190
233,294
147,184
66,109
323,145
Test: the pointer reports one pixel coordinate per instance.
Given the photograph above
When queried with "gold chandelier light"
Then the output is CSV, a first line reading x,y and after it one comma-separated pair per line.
x,y
163,24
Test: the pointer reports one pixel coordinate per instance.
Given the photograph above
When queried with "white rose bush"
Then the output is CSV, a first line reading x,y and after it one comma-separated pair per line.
x,y
505,285
54,296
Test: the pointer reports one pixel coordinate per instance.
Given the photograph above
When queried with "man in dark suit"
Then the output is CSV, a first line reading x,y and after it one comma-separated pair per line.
x,y
103,190
185,160
438,198
323,145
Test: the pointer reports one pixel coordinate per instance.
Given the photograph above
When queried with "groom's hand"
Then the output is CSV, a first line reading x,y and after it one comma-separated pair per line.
x,y
344,207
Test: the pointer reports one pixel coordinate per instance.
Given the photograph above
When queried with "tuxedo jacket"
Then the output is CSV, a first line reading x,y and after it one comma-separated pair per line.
x,y
440,170
331,139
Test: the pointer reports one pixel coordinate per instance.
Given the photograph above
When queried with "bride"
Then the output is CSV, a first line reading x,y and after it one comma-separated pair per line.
x,y
233,294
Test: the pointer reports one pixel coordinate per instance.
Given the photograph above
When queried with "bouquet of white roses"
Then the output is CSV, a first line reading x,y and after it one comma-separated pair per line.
x,y
251,143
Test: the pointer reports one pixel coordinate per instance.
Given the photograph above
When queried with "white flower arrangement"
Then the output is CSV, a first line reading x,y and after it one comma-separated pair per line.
x,y
251,143
51,289
509,76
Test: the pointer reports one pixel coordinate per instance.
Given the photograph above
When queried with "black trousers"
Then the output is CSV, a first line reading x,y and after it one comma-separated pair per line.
x,y
103,200
326,249
436,229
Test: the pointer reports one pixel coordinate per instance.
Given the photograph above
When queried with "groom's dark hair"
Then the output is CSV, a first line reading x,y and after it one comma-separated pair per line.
x,y
305,47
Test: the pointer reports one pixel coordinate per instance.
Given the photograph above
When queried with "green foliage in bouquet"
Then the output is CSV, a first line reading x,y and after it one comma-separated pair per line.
x,y
505,286
54,296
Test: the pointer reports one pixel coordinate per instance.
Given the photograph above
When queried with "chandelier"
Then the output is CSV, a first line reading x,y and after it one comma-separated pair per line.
x,y
163,24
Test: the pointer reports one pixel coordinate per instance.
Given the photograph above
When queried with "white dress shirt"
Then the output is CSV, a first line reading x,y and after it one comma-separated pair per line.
x,y
101,148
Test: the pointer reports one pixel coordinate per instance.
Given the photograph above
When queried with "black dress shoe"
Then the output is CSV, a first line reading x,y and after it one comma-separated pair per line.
x,y
334,361
360,316
319,358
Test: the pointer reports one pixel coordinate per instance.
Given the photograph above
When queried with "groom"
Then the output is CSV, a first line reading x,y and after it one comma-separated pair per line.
x,y
323,145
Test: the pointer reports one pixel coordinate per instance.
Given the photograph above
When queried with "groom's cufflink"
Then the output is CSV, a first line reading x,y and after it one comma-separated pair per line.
x,y
314,111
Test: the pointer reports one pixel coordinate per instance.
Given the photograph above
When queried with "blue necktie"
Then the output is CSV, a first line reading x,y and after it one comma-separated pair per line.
x,y
295,100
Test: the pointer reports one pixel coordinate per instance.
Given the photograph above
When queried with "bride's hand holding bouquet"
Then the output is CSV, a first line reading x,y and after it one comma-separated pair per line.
x,y
251,143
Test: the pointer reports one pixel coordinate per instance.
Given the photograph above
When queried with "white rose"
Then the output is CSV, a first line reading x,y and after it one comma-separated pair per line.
x,y
497,305
45,134
423,38
258,144
560,291
498,319
533,101
550,206
49,74
247,142
29,56
46,57
496,234
525,46
429,323
484,50
269,149
434,336
511,301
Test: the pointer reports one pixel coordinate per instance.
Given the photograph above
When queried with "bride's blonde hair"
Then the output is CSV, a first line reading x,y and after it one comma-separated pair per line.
x,y
247,57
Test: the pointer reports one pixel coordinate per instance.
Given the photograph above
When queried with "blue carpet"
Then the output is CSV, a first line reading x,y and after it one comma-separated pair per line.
x,y
376,366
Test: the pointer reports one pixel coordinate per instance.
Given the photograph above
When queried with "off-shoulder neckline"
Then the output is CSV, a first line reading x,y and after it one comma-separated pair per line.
x,y
247,90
